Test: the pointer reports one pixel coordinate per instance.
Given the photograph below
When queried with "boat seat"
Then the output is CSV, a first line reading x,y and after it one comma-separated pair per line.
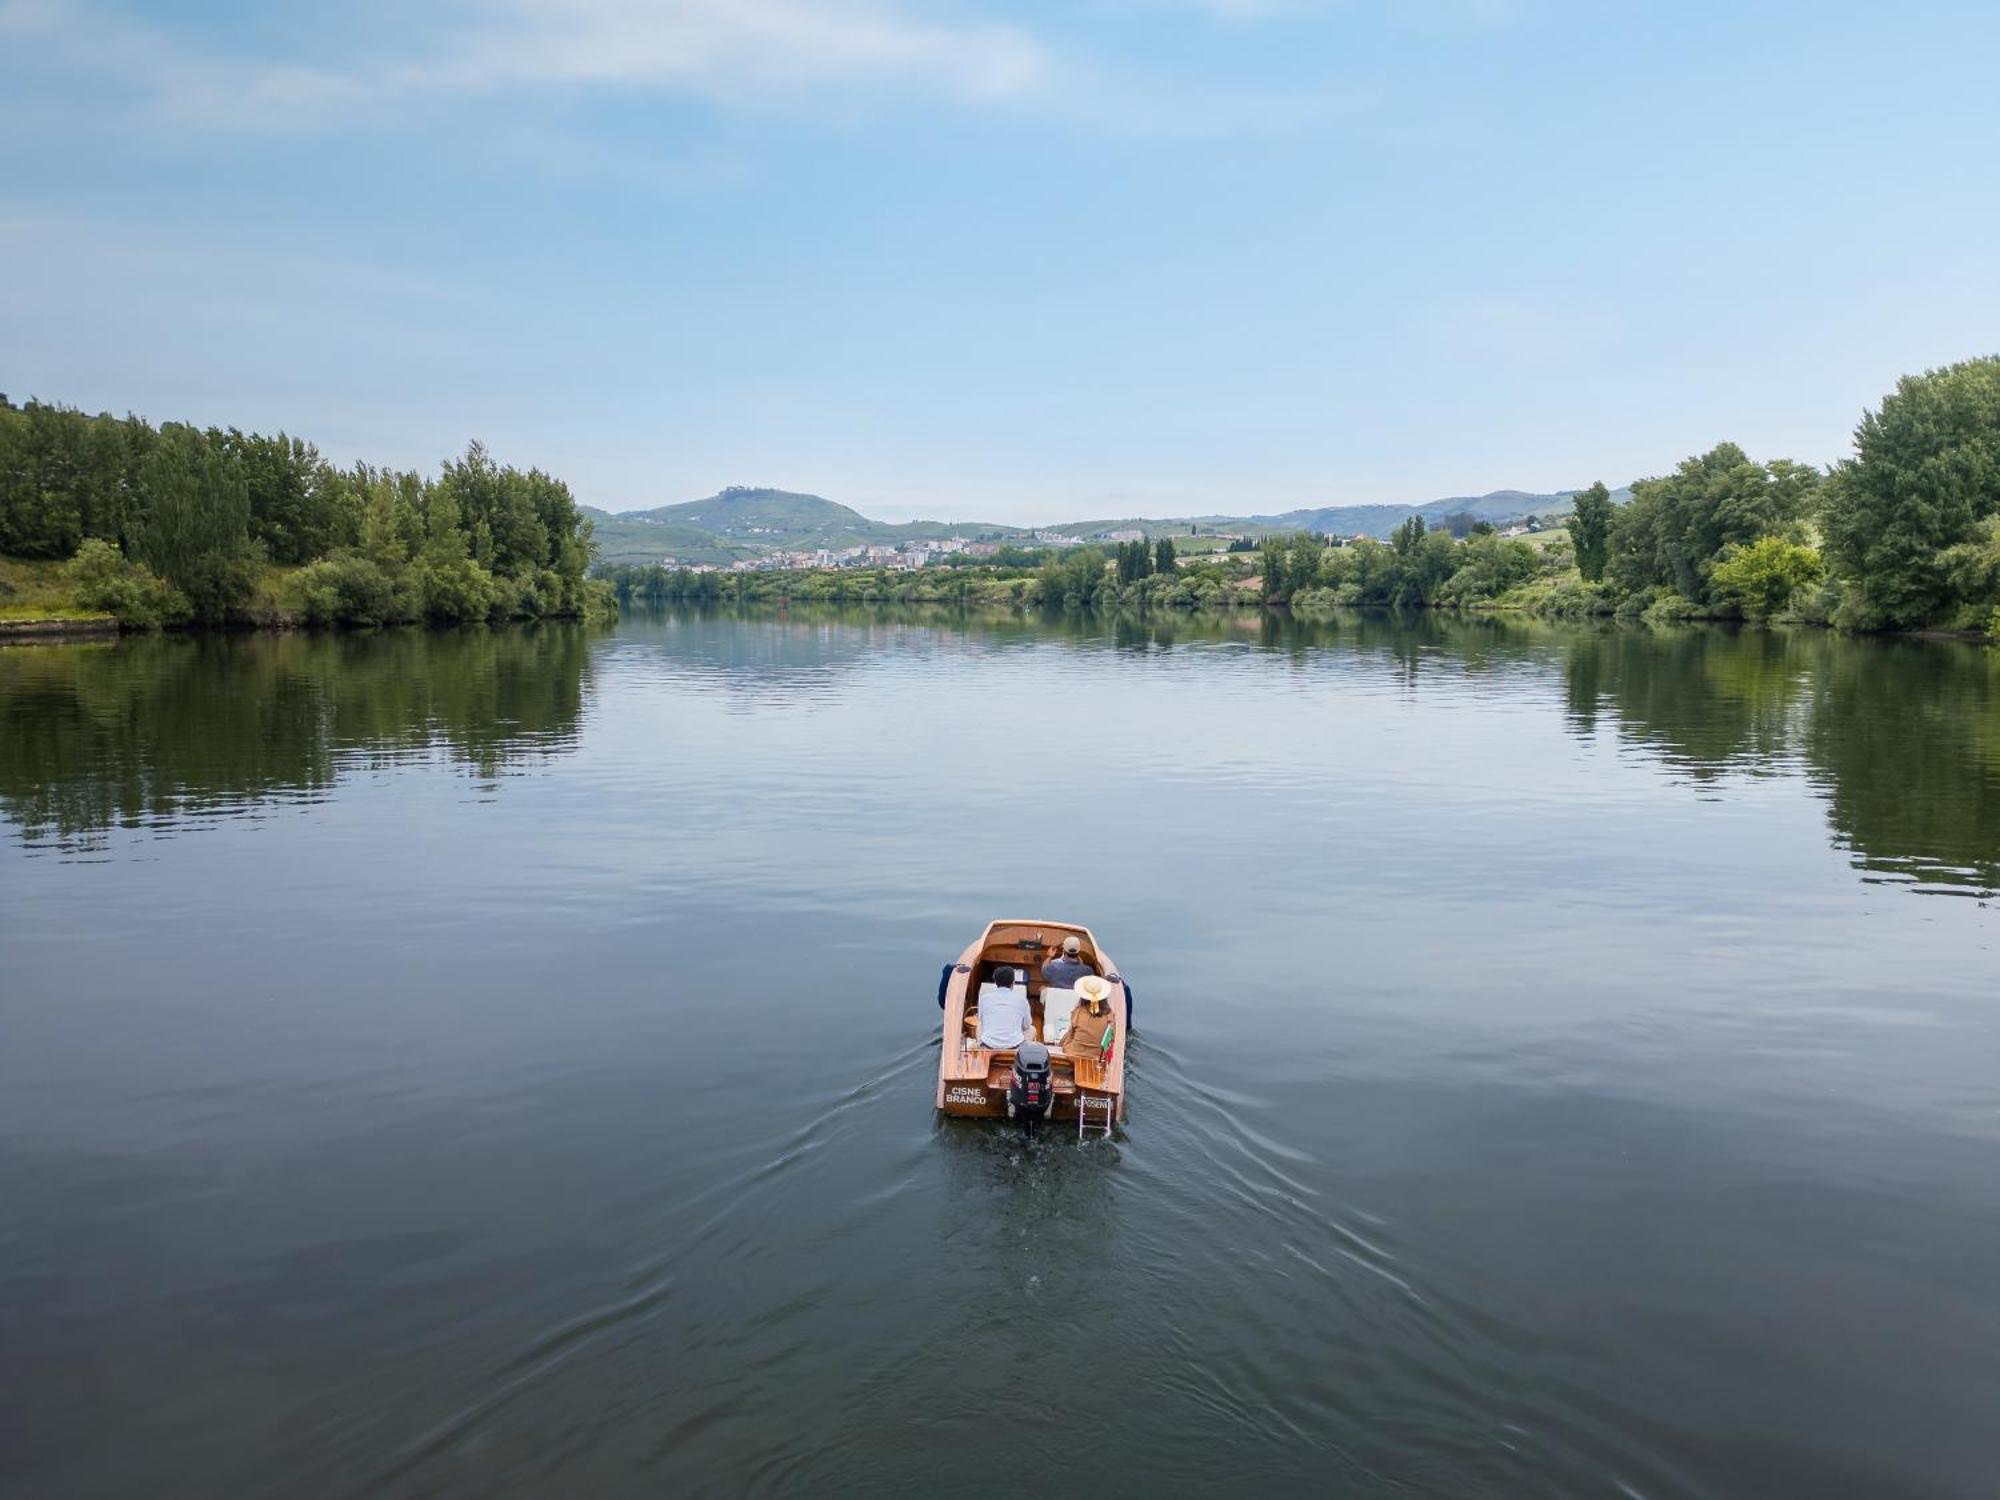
x,y
1056,1008
989,989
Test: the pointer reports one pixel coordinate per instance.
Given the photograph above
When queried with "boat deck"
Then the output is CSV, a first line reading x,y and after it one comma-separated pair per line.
x,y
1083,1072
973,1080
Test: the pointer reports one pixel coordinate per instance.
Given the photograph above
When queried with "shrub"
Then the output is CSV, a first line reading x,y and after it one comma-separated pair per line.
x,y
101,577
345,589
1819,603
599,601
1573,598
454,589
1668,607
1489,566
1972,569
1761,578
512,599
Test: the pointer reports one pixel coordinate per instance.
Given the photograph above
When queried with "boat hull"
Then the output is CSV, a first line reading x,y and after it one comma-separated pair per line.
x,y
972,1081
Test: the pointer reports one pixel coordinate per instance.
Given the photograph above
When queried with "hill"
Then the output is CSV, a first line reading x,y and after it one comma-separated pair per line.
x,y
637,538
1500,507
773,517
745,522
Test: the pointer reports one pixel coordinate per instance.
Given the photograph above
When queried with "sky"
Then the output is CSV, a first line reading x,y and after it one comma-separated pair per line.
x,y
1018,262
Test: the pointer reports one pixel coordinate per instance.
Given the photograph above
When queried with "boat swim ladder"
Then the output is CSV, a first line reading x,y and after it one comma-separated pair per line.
x,y
1084,1104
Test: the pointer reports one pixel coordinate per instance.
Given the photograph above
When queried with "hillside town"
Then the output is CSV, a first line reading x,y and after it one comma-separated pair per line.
x,y
919,552
923,552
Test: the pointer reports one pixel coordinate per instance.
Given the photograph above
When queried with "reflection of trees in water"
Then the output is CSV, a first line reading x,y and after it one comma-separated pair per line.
x,y
1706,701
1904,738
167,727
797,651
1901,737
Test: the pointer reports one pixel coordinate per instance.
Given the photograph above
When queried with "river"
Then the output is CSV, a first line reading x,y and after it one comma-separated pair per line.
x,y
500,1063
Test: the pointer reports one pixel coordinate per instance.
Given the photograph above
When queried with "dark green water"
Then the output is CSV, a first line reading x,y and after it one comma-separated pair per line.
x,y
501,1064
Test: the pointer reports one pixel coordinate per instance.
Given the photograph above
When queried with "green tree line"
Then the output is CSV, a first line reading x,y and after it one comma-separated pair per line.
x,y
176,523
1903,534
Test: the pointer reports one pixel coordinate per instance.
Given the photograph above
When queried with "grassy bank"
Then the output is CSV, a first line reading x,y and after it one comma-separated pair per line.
x,y
41,599
32,593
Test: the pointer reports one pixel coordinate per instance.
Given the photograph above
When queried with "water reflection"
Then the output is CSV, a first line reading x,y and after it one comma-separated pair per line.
x,y
1903,740
1527,1099
167,729
1900,738
1707,702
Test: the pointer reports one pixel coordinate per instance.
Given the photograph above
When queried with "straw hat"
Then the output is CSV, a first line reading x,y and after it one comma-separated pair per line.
x,y
1094,990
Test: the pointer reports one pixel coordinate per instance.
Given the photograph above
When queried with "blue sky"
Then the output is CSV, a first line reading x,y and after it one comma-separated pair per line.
x,y
1023,262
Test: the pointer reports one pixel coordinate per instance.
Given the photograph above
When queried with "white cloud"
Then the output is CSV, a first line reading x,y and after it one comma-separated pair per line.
x,y
1423,15
765,49
1226,10
715,45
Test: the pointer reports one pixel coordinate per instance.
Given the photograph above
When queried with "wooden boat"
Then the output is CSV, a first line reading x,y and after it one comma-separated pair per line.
x,y
1087,1086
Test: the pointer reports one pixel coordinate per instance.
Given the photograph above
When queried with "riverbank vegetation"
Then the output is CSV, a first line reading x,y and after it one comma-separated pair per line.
x,y
1905,534
1902,535
175,524
160,526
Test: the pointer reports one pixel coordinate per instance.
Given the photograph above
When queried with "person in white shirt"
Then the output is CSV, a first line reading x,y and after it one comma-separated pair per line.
x,y
1005,1020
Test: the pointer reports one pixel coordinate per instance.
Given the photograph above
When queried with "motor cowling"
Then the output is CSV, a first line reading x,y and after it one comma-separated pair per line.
x,y
1032,1087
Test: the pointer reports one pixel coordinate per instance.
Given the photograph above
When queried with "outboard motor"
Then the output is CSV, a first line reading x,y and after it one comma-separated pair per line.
x,y
1032,1087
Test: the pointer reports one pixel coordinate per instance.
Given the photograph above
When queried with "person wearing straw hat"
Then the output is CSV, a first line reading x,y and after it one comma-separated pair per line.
x,y
1092,1030
1067,967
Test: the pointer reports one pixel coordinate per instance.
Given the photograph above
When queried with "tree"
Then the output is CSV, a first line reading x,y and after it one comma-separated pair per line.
x,y
292,506
196,529
1428,564
1406,538
1135,561
1070,578
1762,577
1926,471
1488,565
1675,527
1165,559
1590,530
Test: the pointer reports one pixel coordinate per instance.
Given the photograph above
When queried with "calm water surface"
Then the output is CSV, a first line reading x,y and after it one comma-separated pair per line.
x,y
501,1063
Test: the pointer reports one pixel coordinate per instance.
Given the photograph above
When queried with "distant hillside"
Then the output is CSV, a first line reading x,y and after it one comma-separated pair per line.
x,y
1151,525
627,539
744,522
787,520
740,512
1500,507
